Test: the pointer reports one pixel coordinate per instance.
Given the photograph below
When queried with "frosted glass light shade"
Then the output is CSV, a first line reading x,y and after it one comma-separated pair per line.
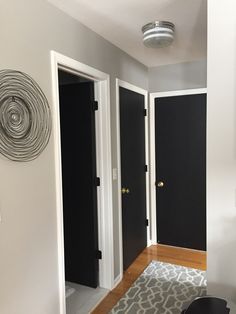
x,y
158,34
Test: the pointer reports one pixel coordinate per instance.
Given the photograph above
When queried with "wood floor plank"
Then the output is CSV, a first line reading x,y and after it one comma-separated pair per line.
x,y
162,253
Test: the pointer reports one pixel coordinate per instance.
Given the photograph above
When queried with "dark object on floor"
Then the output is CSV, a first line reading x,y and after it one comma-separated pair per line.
x,y
207,305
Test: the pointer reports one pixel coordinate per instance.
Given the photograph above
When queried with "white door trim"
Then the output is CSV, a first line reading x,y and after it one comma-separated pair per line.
x,y
120,83
104,169
152,149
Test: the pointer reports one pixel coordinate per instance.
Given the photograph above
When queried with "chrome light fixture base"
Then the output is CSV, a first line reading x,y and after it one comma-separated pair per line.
x,y
158,34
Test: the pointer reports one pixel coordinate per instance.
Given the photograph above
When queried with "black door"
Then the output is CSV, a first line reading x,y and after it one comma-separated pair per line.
x,y
181,170
132,137
77,120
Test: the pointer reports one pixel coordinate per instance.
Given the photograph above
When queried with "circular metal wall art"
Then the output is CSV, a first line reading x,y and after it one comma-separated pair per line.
x,y
25,118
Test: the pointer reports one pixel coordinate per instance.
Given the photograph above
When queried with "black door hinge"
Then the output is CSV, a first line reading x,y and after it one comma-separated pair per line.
x,y
146,168
97,181
99,254
95,105
145,112
147,222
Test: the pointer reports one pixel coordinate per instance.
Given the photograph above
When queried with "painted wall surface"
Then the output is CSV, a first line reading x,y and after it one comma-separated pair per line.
x,y
178,76
28,236
221,149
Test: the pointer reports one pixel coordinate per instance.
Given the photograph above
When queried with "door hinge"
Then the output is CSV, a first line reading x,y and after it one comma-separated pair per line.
x,y
95,105
97,181
145,112
147,222
146,168
99,254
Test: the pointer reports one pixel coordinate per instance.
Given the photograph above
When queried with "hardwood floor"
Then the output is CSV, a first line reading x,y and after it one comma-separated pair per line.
x,y
163,253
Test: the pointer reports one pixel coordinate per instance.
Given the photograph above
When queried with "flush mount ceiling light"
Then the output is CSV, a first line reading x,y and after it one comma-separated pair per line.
x,y
158,34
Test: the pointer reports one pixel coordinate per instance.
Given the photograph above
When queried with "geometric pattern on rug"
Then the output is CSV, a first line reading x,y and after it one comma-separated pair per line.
x,y
162,288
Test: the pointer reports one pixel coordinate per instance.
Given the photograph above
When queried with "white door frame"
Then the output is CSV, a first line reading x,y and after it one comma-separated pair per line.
x,y
153,152
104,169
120,83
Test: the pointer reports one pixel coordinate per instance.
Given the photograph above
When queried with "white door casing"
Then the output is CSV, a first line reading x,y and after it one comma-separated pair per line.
x,y
104,169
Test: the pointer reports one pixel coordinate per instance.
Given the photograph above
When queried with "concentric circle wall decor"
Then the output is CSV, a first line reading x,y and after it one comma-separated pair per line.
x,y
25,118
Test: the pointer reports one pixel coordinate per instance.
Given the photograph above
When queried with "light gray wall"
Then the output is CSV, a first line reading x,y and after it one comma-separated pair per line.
x,y
221,148
28,239
178,76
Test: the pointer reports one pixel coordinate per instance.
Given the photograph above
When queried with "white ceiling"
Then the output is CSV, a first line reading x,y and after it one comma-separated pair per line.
x,y
120,22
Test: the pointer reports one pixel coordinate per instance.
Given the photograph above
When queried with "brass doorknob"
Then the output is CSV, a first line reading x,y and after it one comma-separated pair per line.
x,y
160,184
123,190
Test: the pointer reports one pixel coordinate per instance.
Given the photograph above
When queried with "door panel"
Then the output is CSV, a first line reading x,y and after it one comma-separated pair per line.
x,y
133,176
79,188
181,165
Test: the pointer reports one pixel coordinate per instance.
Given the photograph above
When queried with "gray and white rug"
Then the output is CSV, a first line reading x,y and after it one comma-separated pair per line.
x,y
162,288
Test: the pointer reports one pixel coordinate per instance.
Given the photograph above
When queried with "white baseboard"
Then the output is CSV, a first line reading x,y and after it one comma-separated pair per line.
x,y
117,280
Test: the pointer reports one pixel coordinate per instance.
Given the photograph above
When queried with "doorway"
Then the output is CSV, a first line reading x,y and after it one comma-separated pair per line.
x,y
133,182
178,175
92,85
80,184
79,176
